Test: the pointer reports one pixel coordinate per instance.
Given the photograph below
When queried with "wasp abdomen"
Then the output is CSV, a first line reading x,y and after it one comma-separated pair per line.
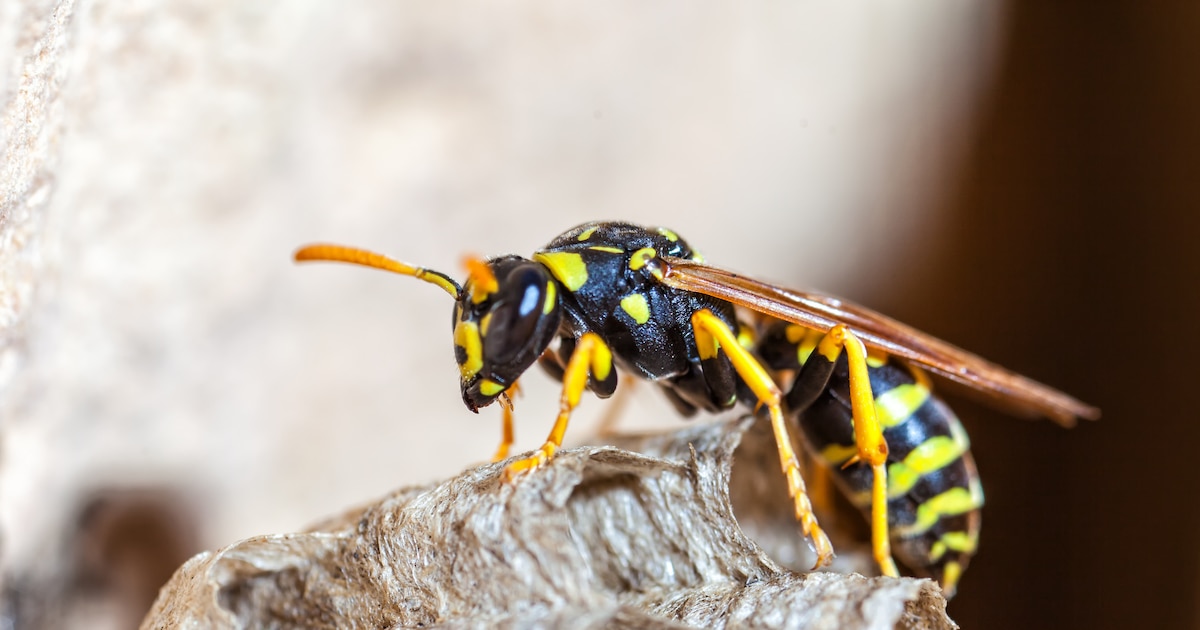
x,y
933,491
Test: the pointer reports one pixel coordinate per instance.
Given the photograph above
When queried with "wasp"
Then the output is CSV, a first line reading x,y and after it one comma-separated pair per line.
x,y
622,297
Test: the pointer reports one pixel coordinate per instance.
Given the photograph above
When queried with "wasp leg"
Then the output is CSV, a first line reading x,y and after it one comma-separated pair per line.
x,y
592,356
868,436
685,408
551,365
506,420
789,348
713,334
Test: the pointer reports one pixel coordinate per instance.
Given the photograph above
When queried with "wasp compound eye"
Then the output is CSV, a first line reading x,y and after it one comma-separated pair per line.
x,y
517,313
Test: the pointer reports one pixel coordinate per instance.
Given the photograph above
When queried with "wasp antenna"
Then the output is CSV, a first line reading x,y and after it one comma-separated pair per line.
x,y
364,258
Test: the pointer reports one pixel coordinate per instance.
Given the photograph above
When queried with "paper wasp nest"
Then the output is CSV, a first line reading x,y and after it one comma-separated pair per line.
x,y
601,537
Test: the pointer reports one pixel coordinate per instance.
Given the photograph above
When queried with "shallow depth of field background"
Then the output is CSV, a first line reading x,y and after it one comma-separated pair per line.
x,y
1018,181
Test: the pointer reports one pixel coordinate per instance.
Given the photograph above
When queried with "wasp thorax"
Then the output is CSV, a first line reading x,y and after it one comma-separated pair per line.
x,y
505,317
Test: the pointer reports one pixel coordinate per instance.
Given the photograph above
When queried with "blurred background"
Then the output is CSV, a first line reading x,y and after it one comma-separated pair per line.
x,y
1014,178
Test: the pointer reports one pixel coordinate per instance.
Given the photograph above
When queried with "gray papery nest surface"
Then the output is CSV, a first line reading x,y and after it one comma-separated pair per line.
x,y
602,537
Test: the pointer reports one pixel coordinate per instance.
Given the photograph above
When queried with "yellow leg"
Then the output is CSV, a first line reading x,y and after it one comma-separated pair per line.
x,y
592,356
712,333
506,427
820,486
872,448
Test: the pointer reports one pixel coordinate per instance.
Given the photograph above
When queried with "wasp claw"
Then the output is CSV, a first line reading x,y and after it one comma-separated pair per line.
x,y
529,464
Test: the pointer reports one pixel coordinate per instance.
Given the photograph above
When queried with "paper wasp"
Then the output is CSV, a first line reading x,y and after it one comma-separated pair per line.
x,y
621,295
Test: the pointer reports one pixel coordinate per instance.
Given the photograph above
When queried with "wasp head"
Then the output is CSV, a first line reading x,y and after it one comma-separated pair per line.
x,y
505,317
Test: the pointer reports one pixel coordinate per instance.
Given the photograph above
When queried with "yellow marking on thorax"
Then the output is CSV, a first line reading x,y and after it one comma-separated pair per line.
x,y
586,234
640,257
568,267
466,334
551,298
484,323
668,234
488,387
636,307
607,249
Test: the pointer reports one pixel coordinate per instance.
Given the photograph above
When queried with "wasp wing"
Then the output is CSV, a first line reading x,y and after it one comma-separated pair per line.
x,y
823,312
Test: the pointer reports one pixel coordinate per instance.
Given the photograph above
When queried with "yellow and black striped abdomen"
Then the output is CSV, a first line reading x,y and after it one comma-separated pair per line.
x,y
934,494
